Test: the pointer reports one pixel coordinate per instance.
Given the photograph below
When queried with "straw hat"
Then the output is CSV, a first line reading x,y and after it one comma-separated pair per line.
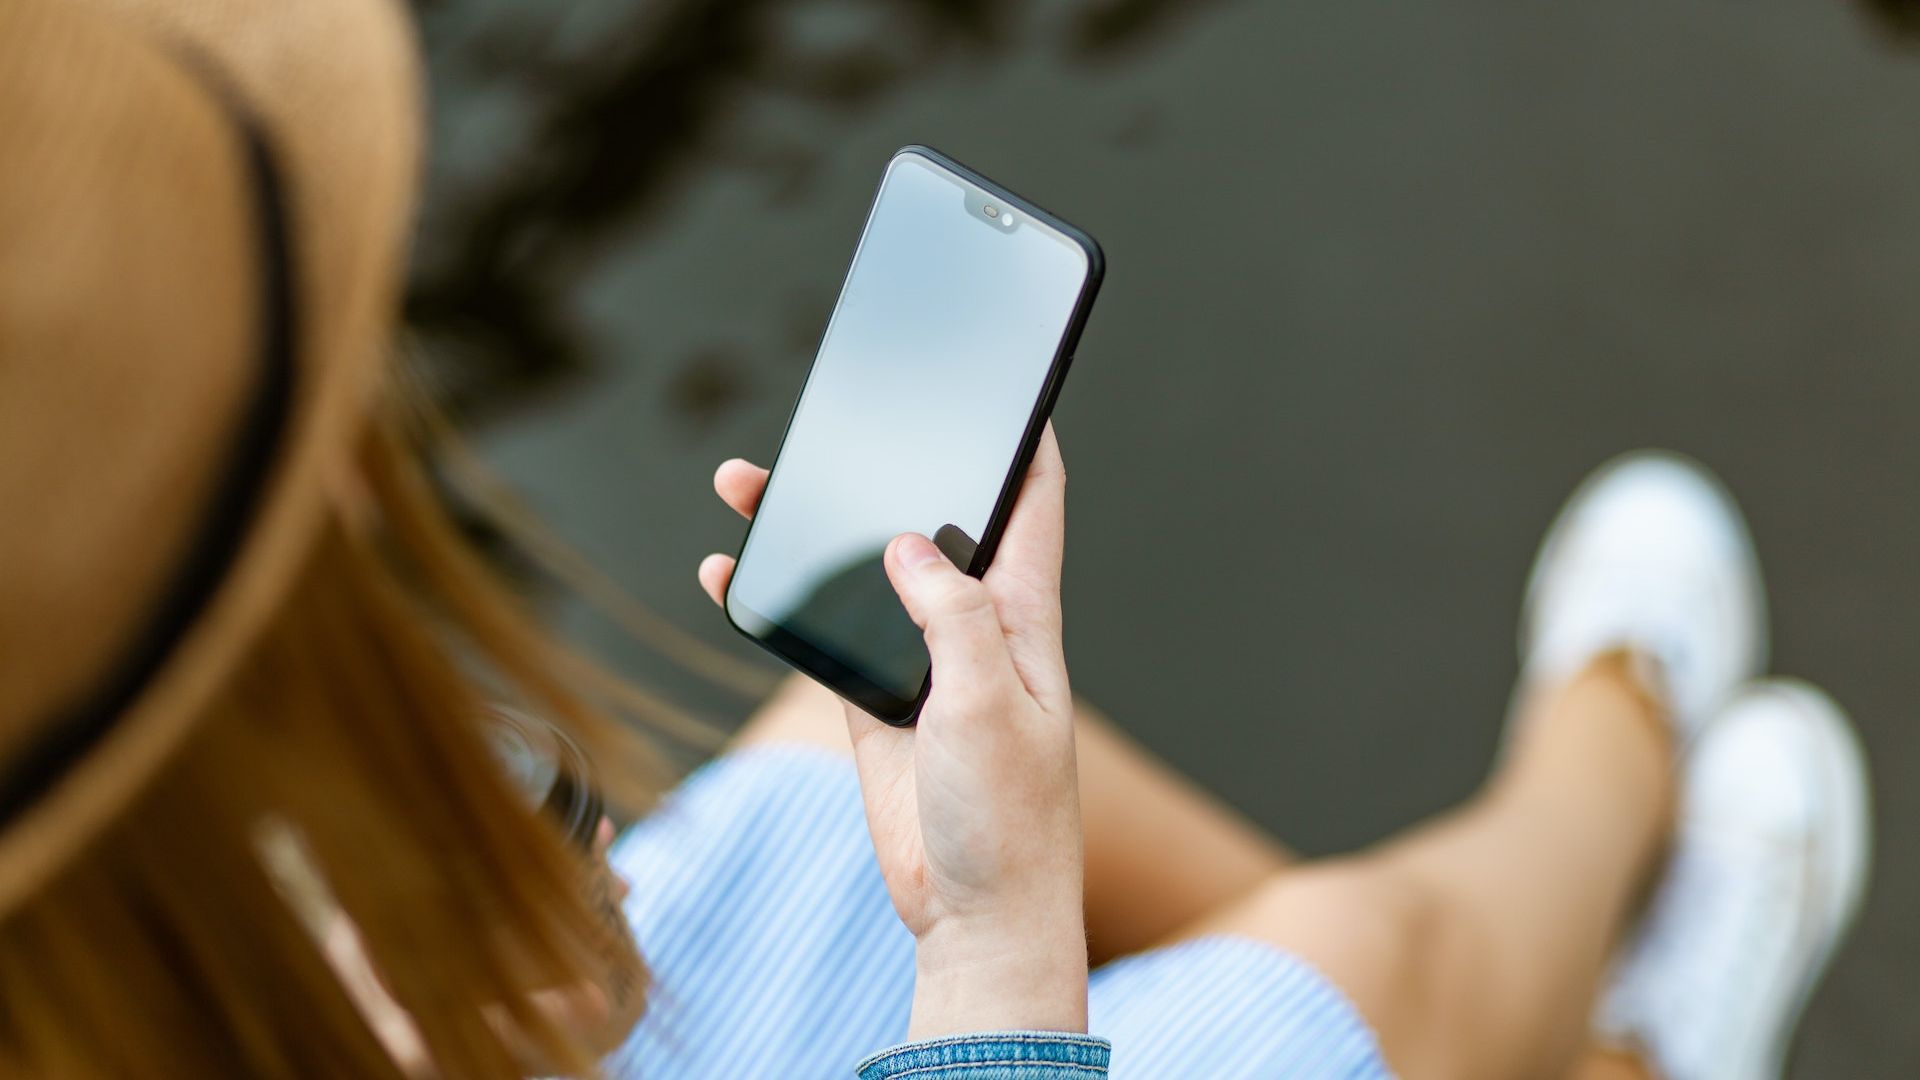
x,y
203,205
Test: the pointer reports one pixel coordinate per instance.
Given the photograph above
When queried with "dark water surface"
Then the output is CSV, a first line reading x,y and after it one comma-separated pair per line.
x,y
1386,281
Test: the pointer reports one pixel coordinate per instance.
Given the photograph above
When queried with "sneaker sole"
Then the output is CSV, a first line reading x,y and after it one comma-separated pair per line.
x,y
1847,859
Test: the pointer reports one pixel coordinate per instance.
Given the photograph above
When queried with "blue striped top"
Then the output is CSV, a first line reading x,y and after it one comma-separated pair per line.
x,y
776,952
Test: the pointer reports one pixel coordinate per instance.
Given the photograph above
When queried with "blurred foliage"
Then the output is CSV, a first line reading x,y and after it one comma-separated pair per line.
x,y
605,110
1902,15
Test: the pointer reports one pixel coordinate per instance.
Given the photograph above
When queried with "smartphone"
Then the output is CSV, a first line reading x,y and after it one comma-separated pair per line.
x,y
940,364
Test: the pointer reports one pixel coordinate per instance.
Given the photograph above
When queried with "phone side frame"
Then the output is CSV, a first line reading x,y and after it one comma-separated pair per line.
x,y
823,667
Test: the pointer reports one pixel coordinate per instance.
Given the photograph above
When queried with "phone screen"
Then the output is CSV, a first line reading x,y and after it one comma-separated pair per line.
x,y
956,311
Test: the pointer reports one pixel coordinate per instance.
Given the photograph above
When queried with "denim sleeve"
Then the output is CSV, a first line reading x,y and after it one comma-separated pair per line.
x,y
994,1055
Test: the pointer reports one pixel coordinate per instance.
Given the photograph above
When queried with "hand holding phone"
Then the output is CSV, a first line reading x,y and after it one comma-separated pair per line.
x,y
975,813
905,551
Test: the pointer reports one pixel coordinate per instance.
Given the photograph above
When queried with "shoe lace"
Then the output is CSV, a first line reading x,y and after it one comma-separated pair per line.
x,y
1658,619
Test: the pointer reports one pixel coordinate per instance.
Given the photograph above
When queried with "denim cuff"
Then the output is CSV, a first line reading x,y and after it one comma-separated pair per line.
x,y
994,1055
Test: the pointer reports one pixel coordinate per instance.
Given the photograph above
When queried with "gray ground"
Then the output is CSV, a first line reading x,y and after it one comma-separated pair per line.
x,y
1386,280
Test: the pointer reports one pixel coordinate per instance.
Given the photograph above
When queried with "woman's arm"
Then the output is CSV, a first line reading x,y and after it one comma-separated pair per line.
x,y
975,812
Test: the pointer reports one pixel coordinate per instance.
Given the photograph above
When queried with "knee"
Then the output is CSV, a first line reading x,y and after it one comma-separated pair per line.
x,y
800,711
1382,936
1360,924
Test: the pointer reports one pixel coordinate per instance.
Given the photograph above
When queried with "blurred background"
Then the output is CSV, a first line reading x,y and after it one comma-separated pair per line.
x,y
1385,282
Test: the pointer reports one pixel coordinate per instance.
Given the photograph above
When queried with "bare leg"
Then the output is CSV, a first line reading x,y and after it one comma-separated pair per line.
x,y
1474,944
1609,1065
1161,853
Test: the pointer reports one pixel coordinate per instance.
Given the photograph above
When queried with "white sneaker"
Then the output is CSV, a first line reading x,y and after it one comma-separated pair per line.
x,y
1650,553
1769,865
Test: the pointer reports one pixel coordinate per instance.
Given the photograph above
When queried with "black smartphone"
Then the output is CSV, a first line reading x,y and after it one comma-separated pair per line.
x,y
931,387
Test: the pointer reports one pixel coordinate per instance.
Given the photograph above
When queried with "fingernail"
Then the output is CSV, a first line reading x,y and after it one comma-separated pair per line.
x,y
915,551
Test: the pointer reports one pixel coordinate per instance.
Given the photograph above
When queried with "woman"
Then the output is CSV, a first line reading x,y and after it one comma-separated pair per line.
x,y
250,825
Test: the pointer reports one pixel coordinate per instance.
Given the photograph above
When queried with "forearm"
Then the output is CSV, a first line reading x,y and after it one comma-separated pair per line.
x,y
1026,976
990,998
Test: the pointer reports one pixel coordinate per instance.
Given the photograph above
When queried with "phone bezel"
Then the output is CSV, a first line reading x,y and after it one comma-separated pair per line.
x,y
836,674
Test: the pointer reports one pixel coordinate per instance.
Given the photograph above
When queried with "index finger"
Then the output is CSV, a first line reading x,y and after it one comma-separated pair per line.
x,y
1030,549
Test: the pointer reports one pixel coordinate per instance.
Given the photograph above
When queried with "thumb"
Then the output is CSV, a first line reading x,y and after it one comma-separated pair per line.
x,y
964,637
